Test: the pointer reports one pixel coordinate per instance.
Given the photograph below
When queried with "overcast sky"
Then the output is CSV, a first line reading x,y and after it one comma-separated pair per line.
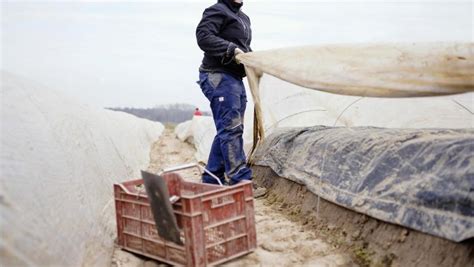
x,y
144,54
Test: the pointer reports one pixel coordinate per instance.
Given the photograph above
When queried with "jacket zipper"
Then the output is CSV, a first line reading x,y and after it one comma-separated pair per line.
x,y
247,32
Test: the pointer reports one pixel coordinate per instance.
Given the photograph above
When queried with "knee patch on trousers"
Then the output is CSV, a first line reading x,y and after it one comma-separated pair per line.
x,y
232,120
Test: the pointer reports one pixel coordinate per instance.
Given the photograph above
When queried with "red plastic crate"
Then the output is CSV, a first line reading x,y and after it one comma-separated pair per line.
x,y
217,222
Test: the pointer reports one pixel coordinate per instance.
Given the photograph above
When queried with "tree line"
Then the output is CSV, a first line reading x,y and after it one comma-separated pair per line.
x,y
171,113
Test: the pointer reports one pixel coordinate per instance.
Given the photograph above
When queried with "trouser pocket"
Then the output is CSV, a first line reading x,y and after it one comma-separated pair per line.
x,y
214,79
206,89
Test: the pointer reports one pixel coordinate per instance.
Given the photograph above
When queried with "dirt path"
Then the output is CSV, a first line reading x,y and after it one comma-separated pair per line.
x,y
169,151
281,242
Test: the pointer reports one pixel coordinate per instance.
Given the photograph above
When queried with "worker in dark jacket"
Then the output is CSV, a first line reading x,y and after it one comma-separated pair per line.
x,y
223,32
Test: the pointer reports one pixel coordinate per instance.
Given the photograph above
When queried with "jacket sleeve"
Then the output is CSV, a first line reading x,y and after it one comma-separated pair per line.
x,y
206,34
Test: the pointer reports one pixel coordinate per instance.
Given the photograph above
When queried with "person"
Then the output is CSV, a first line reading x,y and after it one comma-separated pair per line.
x,y
223,32
197,112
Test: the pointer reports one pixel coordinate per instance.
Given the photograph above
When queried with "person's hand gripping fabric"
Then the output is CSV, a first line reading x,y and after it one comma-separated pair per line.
x,y
237,52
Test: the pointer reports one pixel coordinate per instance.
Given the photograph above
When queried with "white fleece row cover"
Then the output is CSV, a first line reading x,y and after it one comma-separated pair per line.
x,y
284,104
59,161
363,85
200,132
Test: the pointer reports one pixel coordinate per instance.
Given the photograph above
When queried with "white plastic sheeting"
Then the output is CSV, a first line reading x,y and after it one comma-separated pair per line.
x,y
288,105
376,70
352,73
200,132
59,160
183,131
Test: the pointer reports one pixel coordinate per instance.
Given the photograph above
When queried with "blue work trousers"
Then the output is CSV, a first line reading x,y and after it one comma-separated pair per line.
x,y
228,100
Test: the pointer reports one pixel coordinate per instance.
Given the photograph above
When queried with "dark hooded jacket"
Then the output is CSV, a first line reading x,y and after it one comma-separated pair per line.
x,y
223,28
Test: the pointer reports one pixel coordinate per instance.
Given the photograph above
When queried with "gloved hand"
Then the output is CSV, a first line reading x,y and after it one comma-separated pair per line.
x,y
237,51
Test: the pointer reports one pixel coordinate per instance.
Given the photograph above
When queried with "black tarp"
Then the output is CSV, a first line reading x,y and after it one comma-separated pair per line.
x,y
418,178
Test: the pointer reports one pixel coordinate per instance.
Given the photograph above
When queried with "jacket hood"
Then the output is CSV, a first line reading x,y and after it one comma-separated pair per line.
x,y
230,4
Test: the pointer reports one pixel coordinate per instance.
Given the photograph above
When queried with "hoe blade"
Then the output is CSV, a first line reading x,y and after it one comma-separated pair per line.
x,y
161,208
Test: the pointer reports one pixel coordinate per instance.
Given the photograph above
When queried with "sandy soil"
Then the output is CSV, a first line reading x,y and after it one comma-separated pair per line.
x,y
281,242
